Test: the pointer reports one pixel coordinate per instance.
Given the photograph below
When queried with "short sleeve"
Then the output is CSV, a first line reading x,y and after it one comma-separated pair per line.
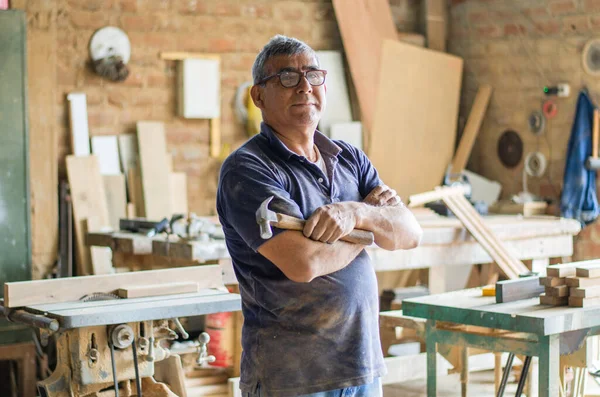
x,y
368,177
244,184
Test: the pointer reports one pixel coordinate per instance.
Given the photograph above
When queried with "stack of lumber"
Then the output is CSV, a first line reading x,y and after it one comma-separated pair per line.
x,y
575,284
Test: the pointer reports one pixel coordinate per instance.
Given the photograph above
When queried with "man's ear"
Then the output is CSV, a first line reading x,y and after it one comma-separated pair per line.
x,y
257,96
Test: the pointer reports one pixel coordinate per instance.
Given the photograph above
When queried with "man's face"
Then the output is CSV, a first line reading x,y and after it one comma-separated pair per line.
x,y
290,107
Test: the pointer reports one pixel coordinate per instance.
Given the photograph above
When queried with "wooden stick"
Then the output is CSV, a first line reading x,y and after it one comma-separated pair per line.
x,y
439,193
482,237
516,264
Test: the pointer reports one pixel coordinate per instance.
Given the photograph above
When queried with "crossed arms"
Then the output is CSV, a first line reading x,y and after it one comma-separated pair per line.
x,y
303,256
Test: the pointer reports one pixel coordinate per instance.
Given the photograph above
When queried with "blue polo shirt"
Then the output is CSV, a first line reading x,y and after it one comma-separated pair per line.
x,y
299,338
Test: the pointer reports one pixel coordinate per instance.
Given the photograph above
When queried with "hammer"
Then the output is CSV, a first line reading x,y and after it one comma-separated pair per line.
x,y
265,217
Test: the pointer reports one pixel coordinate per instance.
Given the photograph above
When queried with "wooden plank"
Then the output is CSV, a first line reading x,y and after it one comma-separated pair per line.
x,y
439,193
89,207
199,88
338,99
128,151
364,24
562,270
154,169
589,271
582,282
106,149
80,135
136,191
43,142
178,191
430,80
520,288
589,292
575,301
482,99
435,18
559,291
552,281
554,300
142,291
116,198
215,137
26,293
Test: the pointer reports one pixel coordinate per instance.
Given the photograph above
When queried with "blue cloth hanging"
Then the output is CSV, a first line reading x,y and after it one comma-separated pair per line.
x,y
578,199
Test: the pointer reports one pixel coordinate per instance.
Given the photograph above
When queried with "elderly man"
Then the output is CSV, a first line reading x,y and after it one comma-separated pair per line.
x,y
309,300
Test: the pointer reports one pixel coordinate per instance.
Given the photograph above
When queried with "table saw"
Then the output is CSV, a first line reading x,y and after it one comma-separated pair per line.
x,y
99,334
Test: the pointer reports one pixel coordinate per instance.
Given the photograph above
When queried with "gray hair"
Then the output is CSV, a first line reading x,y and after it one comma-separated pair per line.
x,y
278,45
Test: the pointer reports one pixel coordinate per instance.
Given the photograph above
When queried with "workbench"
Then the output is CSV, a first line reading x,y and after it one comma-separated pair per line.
x,y
446,243
522,327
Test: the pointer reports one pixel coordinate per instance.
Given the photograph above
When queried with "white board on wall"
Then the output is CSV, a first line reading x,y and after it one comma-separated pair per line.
x,y
106,150
338,102
199,82
80,136
348,132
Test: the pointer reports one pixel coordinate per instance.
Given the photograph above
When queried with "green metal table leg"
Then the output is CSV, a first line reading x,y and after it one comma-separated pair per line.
x,y
431,345
549,364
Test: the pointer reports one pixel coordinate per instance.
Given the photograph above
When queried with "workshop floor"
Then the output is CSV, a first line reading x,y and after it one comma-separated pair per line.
x,y
481,384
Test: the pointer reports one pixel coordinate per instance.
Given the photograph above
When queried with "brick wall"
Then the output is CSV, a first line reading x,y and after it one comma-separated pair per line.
x,y
236,29
518,47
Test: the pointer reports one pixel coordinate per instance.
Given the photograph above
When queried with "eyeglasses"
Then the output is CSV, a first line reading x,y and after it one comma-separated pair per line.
x,y
290,79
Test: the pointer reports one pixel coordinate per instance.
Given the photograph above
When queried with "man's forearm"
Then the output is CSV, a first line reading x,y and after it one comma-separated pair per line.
x,y
302,259
394,227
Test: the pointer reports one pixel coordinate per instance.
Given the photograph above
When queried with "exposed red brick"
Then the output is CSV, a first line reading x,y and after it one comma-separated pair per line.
x,y
192,6
511,29
144,22
88,19
226,9
562,7
98,117
221,45
479,17
595,22
128,5
289,10
576,24
591,5
256,10
91,5
135,79
487,31
119,97
547,27
156,79
536,12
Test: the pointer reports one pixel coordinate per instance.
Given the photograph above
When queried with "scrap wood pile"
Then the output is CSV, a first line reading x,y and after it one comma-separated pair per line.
x,y
575,284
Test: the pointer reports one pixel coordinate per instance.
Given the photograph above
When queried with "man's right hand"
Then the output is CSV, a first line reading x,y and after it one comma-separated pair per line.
x,y
382,196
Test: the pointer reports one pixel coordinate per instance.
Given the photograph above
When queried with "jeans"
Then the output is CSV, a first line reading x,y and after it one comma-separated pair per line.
x,y
371,390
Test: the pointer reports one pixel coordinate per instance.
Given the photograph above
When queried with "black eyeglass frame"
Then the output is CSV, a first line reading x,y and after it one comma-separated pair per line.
x,y
302,75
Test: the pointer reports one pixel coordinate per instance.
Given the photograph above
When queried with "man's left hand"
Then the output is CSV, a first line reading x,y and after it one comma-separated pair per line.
x,y
383,196
330,222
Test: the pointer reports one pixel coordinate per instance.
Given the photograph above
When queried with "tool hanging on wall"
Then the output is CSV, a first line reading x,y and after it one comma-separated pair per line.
x,y
550,109
510,148
593,162
246,111
110,51
537,122
590,58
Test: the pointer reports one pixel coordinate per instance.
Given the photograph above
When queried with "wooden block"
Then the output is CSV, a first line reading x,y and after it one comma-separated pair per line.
x,y
552,281
589,271
141,291
412,38
582,282
559,291
128,151
589,292
178,191
116,198
517,289
583,302
80,138
563,270
25,293
154,169
553,300
106,149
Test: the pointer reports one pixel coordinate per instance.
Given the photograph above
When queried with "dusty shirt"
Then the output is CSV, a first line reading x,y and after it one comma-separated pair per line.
x,y
299,338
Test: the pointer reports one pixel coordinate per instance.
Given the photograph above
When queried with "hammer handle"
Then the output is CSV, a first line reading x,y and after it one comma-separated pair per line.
x,y
356,236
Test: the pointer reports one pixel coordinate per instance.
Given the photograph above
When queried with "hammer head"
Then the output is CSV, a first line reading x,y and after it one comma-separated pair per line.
x,y
264,217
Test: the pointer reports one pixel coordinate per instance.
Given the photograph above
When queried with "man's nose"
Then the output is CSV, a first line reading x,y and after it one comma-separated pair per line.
x,y
304,86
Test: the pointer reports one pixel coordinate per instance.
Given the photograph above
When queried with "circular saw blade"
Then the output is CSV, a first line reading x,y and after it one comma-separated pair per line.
x,y
510,148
